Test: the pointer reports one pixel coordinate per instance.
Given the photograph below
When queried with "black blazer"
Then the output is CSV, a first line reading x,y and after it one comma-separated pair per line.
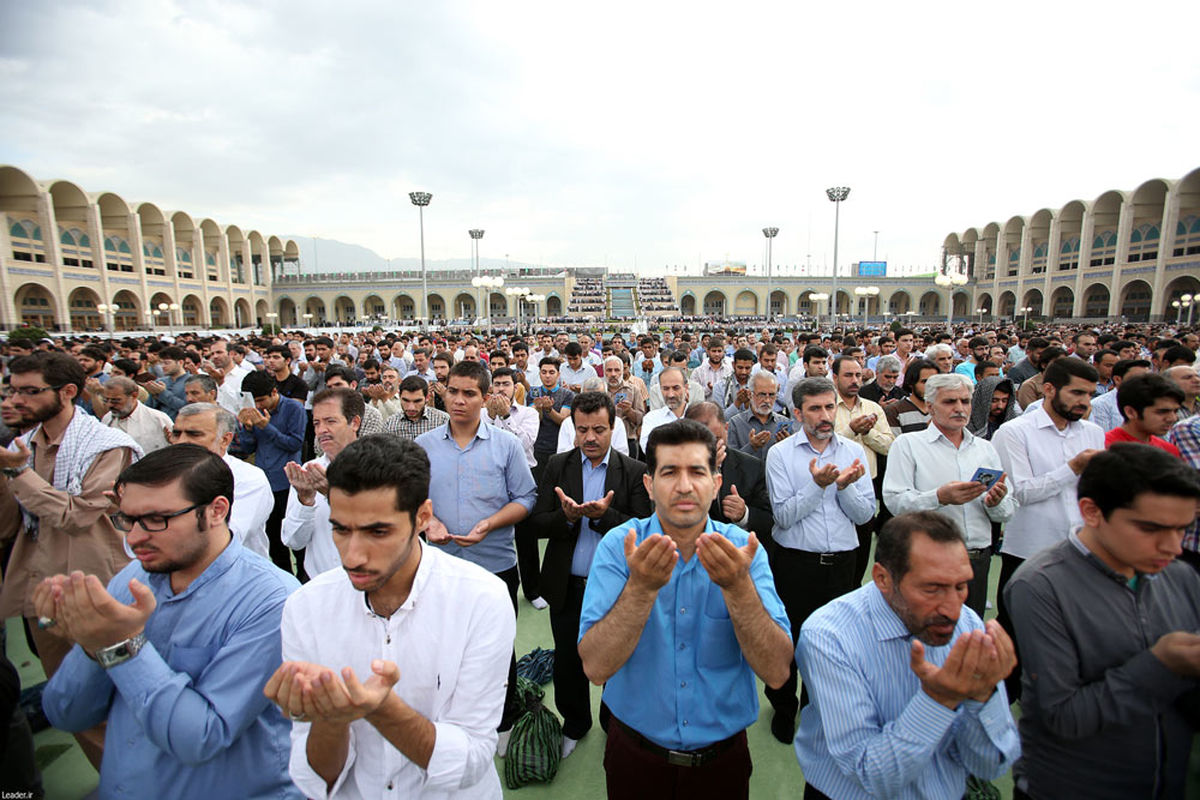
x,y
749,475
547,520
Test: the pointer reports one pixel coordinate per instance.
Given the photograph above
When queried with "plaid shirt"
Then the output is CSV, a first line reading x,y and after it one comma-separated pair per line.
x,y
1185,435
405,428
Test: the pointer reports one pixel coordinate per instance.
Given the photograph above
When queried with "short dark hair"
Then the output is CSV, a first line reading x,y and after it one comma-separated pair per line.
x,y
324,340
128,366
97,353
258,384
1173,353
204,475
550,360
681,431
1038,343
173,353
519,346
894,545
1113,478
744,354
977,341
473,370
1051,354
809,387
591,402
56,369
1141,392
905,332
280,349
382,461
341,371
414,383
837,363
1122,367
573,349
814,351
443,356
352,402
504,372
984,366
912,373
1060,372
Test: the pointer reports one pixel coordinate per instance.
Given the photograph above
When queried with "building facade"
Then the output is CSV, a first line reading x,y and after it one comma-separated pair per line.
x,y
1125,253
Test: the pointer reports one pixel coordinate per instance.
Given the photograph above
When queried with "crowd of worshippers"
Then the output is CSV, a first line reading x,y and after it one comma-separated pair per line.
x,y
290,567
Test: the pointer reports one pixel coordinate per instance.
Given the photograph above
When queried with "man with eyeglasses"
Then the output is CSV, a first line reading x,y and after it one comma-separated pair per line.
x,y
173,654
52,496
754,430
146,425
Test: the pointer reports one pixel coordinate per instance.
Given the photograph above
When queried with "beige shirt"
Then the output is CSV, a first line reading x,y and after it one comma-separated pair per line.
x,y
877,439
74,531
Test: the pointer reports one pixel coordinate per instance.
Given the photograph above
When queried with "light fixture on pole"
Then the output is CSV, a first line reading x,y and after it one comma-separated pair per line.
x,y
818,297
866,293
104,308
517,292
164,309
271,317
836,195
533,299
488,282
1189,302
980,312
950,281
770,233
307,320
1025,316
476,234
420,200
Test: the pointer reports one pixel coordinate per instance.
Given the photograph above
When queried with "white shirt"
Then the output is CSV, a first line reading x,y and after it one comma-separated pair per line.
x,y
566,436
659,416
145,426
452,641
253,502
922,461
522,422
308,527
1034,453
575,377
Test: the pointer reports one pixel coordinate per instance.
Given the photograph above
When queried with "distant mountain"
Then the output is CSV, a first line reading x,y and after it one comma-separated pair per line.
x,y
330,255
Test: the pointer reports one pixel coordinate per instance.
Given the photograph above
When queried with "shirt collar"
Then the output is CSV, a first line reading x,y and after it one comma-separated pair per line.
x,y
424,569
932,433
220,565
586,461
1099,564
887,625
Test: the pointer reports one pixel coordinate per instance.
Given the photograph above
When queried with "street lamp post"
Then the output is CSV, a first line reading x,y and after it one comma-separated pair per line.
x,y
950,281
818,297
534,299
980,312
866,293
271,317
770,233
836,195
488,283
1025,316
1189,302
104,308
517,292
420,200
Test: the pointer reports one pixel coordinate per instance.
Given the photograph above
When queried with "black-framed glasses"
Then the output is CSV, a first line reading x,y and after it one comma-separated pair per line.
x,y
151,523
26,391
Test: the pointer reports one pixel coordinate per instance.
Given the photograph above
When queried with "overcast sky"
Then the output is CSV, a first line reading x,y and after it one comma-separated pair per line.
x,y
618,133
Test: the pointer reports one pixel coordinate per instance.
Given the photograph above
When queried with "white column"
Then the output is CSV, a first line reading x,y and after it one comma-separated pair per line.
x,y
49,222
1124,230
1087,234
1166,236
9,318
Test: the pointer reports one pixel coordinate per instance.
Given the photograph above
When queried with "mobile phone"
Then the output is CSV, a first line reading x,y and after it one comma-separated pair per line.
x,y
987,476
786,426
619,398
247,400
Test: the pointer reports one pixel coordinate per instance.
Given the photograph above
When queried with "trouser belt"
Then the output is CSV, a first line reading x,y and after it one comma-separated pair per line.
x,y
679,758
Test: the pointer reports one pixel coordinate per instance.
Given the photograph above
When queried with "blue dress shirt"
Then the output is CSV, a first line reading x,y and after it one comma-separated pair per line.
x,y
468,484
186,716
172,398
869,729
687,684
589,537
277,442
808,517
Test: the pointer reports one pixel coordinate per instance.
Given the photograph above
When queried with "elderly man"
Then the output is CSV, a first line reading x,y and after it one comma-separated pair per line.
x,y
885,389
934,470
213,428
147,426
756,429
673,383
568,436
631,405
1189,381
907,685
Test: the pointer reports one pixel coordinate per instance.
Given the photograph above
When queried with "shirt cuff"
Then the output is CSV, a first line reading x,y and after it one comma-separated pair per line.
x,y
745,520
306,778
447,762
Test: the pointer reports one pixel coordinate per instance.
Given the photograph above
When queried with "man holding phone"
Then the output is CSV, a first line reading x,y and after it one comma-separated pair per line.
x,y
946,469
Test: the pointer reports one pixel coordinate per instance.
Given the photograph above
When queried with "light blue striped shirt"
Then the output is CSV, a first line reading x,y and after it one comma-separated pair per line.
x,y
808,517
589,537
1105,412
869,731
468,484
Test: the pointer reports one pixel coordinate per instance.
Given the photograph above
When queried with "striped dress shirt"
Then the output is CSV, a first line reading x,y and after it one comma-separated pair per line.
x,y
869,730
1186,436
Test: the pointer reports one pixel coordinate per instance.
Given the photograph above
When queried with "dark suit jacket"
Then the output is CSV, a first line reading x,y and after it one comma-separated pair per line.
x,y
547,520
749,475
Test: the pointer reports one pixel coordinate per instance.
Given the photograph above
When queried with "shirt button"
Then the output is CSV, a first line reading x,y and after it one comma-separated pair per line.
x,y
683,684
683,611
682,646
685,722
391,785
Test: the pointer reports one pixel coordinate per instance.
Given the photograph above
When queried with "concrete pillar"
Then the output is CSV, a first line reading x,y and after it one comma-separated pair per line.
x,y
49,224
9,316
1087,235
1166,235
1124,230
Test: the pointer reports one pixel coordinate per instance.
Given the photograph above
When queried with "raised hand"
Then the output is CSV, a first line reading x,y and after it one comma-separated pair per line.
x,y
824,475
571,510
733,506
93,617
861,425
436,531
760,438
651,562
725,562
956,493
997,492
595,509
850,474
11,459
475,535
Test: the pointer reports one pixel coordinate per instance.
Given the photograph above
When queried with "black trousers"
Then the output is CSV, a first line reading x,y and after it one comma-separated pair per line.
x,y
528,558
805,582
977,589
512,708
280,554
572,690
1009,565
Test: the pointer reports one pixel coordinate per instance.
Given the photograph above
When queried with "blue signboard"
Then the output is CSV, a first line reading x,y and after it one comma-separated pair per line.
x,y
872,269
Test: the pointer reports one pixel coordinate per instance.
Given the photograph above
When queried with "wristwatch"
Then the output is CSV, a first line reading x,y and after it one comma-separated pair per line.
x,y
12,472
120,652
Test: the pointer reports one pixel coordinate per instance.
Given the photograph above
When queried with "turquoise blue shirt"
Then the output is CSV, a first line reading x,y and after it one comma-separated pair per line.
x,y
687,684
187,717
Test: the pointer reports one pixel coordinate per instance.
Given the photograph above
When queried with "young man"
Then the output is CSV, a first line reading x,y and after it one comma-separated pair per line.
x,y
907,684
1109,630
992,404
502,410
584,493
172,654
417,414
394,664
167,393
679,615
715,370
934,469
733,393
552,401
575,371
278,363
1150,406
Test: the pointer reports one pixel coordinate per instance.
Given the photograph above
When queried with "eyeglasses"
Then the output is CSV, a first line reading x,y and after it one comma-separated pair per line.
x,y
151,523
765,395
26,391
